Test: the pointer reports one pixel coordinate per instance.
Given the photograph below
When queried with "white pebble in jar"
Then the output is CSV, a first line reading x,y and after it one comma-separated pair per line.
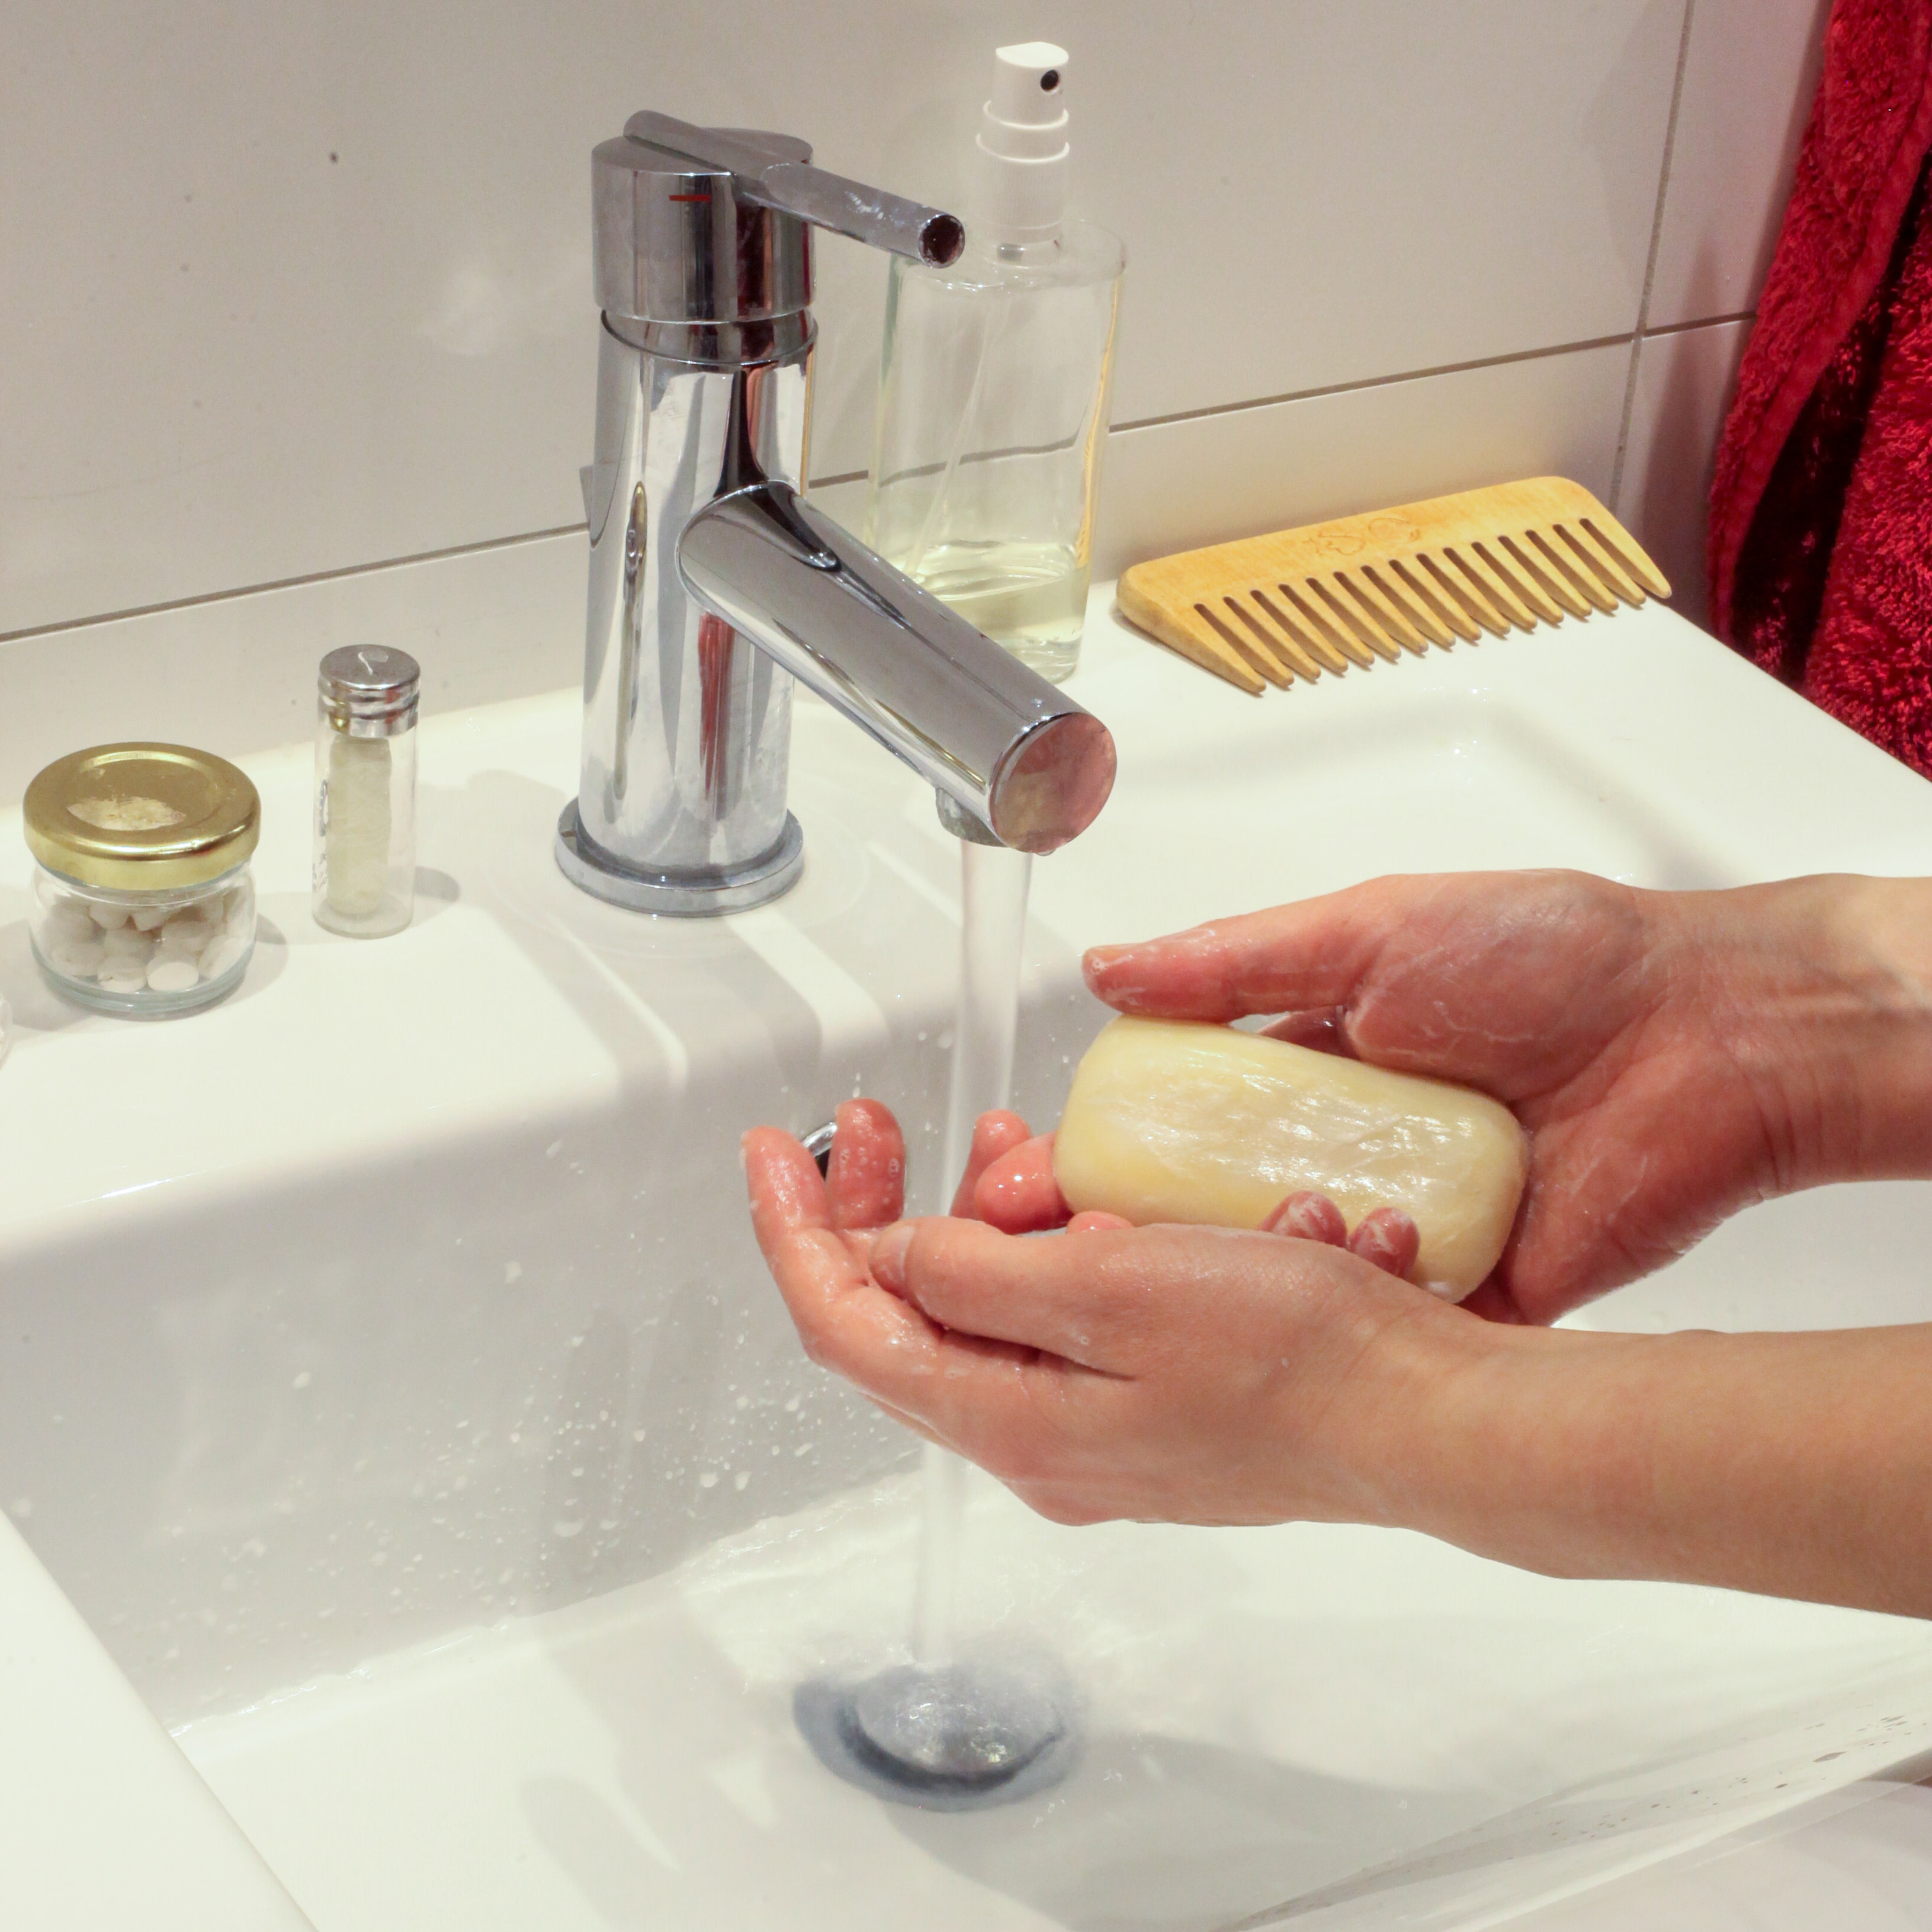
x,y
172,976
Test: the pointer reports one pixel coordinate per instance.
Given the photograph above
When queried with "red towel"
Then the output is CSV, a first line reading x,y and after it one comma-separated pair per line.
x,y
1821,513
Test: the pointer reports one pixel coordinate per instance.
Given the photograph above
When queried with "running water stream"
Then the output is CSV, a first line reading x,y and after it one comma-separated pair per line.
x,y
948,1731
994,882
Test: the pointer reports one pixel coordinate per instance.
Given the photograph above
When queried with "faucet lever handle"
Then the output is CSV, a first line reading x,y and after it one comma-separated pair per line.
x,y
792,187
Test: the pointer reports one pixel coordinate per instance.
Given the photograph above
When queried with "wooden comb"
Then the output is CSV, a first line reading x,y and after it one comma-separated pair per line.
x,y
1270,610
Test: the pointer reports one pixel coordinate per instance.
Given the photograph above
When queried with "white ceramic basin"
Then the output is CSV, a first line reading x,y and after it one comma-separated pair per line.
x,y
388,1377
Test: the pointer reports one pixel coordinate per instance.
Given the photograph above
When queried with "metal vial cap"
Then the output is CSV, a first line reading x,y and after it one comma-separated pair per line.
x,y
370,691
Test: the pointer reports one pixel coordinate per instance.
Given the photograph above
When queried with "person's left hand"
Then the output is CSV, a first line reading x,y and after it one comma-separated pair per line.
x,y
1185,1374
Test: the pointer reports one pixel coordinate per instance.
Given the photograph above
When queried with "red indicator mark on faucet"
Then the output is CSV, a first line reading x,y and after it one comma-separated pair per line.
x,y
691,197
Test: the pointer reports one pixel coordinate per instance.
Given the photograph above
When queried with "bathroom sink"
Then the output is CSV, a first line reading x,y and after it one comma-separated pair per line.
x,y
387,1378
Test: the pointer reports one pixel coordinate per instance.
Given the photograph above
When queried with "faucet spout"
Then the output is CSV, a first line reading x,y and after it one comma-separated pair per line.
x,y
983,729
714,587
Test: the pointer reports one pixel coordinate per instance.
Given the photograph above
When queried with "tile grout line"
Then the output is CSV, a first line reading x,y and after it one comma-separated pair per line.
x,y
335,576
1701,321
487,545
1373,382
1650,264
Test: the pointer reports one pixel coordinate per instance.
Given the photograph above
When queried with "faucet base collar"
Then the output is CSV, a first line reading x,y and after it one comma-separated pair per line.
x,y
695,895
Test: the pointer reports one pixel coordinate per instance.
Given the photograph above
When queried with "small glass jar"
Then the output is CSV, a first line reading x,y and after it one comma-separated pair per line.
x,y
365,790
143,902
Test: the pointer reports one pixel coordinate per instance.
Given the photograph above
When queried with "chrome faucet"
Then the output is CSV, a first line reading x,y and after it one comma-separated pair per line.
x,y
714,582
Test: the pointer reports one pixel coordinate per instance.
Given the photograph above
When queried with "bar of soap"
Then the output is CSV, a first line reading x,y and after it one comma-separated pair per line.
x,y
1174,1121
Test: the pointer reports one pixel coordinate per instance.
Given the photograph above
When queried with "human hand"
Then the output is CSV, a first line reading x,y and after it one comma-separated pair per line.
x,y
1189,1374
1197,1375
1673,1056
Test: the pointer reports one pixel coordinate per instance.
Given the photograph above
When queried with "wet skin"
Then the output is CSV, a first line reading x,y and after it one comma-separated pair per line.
x,y
1673,1058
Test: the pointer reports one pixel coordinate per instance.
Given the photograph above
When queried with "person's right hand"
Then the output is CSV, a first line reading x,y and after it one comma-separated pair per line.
x,y
1673,1056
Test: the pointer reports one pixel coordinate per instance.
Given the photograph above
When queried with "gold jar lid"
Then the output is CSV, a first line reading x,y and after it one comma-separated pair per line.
x,y
142,817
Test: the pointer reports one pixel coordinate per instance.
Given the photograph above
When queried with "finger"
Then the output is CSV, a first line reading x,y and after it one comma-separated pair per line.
x,y
1388,1238
812,1260
1322,1030
866,1176
1096,1221
823,1279
1294,958
1307,1216
973,1280
787,1191
1100,1302
969,1393
1019,1193
994,1136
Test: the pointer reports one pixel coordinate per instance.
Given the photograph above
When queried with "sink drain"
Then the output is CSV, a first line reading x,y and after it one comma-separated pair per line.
x,y
960,1737
818,1144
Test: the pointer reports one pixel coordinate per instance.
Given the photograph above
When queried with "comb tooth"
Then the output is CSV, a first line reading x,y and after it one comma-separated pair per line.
x,y
1208,643
1629,556
1418,614
1608,569
1336,638
1507,606
1521,585
1450,619
1579,580
1253,642
1279,650
1550,582
1596,569
1309,636
1394,625
1608,557
1364,627
1472,606
1294,649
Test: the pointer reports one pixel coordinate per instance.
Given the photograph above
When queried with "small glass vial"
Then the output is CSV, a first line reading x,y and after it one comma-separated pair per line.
x,y
365,790
143,902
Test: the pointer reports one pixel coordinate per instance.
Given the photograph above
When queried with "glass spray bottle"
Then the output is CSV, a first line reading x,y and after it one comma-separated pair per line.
x,y
994,387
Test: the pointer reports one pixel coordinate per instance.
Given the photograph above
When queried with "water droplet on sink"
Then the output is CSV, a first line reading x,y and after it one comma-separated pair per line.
x,y
567,1526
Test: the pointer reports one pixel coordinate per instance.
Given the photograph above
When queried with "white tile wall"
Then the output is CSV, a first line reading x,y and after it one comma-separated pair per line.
x,y
296,292
1751,71
510,619
1179,484
299,288
1684,384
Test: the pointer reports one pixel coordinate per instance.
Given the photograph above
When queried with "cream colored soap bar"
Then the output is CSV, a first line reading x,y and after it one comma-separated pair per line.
x,y
1169,1120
